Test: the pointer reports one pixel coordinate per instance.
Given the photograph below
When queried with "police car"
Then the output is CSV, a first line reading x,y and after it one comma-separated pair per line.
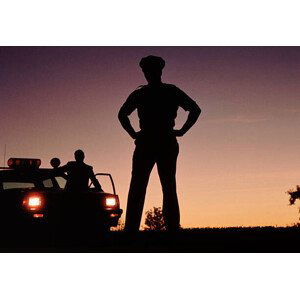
x,y
33,196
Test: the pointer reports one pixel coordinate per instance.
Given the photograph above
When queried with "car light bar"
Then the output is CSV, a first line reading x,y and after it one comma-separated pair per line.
x,y
23,163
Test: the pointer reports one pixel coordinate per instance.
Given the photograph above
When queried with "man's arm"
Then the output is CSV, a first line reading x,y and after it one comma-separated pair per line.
x,y
185,102
64,168
95,181
61,170
128,107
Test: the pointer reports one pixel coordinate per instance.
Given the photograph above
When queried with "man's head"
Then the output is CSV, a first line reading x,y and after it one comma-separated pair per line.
x,y
79,155
152,67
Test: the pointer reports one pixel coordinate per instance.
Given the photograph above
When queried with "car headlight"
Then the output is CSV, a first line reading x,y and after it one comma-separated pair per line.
x,y
110,202
33,202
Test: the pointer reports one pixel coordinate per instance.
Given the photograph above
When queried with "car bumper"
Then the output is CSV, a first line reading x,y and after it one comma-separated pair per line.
x,y
112,216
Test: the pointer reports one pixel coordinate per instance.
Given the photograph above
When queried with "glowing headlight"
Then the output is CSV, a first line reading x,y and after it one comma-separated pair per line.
x,y
110,201
34,201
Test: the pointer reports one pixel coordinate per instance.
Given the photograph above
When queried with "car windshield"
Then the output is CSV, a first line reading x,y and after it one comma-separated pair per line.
x,y
17,185
41,179
61,181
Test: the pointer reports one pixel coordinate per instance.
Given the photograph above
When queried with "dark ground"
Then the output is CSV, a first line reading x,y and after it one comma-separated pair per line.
x,y
254,239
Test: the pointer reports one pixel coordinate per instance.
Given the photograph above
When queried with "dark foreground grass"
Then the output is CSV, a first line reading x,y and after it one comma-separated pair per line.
x,y
235,239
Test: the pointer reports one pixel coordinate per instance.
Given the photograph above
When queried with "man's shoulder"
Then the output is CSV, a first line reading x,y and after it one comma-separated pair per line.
x,y
71,163
76,164
170,87
89,167
139,90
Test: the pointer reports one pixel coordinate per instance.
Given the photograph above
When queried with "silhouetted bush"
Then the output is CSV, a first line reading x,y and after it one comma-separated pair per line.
x,y
120,226
154,220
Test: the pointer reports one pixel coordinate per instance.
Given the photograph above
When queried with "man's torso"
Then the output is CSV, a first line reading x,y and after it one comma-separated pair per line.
x,y
157,108
78,176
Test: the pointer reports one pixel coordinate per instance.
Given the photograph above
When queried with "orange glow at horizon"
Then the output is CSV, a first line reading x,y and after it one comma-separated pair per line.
x,y
234,165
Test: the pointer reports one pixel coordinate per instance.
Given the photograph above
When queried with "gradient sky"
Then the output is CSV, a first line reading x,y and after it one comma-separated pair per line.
x,y
235,164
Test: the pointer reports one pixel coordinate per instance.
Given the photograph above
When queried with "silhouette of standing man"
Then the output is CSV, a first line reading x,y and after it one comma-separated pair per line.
x,y
79,174
157,104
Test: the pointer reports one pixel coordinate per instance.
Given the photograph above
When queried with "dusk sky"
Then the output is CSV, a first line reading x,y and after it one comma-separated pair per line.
x,y
234,165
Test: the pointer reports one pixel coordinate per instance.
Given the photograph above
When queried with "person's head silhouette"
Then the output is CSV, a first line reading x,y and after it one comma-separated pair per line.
x,y
152,67
55,162
79,156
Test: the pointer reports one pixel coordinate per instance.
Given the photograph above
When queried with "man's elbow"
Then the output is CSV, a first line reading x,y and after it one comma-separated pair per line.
x,y
122,116
196,111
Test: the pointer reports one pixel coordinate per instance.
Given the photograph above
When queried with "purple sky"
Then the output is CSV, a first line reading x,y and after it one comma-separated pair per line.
x,y
234,165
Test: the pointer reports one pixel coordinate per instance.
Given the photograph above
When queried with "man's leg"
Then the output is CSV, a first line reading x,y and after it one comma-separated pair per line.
x,y
166,166
142,164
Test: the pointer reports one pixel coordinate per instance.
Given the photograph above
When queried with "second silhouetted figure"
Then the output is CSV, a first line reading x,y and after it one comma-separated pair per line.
x,y
157,104
79,174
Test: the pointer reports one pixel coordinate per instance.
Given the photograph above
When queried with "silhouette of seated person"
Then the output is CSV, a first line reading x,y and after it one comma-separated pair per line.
x,y
157,104
79,174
